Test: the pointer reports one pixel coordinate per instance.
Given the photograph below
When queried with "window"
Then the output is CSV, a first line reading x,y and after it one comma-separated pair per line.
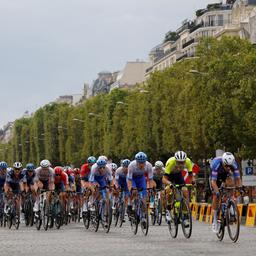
x,y
211,19
220,20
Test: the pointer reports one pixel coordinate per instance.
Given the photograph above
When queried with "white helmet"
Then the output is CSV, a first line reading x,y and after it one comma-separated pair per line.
x,y
103,157
114,166
45,163
228,158
17,165
180,156
159,164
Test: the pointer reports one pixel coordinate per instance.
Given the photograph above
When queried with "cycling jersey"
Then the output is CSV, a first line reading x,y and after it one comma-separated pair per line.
x,y
158,176
13,180
171,166
85,172
137,176
218,172
42,174
121,178
100,176
2,179
29,179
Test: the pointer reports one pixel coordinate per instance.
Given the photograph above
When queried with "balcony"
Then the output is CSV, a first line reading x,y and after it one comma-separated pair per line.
x,y
188,43
215,7
149,69
185,55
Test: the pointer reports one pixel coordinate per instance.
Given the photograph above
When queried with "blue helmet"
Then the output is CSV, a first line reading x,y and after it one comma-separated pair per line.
x,y
3,165
101,162
126,162
91,160
30,167
141,157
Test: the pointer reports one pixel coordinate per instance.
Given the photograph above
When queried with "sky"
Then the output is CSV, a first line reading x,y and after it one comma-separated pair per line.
x,y
50,48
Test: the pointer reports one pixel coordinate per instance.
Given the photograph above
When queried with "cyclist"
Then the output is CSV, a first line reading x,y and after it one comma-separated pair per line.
x,y
3,168
173,174
121,179
28,177
85,174
158,173
100,176
13,183
85,171
138,169
114,168
44,179
223,170
61,183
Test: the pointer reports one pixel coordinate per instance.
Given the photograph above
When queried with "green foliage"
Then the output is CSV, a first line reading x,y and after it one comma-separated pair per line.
x,y
197,112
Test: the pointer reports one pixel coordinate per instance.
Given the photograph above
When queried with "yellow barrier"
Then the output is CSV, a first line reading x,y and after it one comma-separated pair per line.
x,y
202,211
251,215
240,210
208,216
194,210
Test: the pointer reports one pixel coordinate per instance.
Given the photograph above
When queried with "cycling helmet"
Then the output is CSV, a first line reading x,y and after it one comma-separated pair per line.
x,y
76,171
69,171
180,156
17,165
126,162
159,164
114,166
45,163
30,167
91,160
101,162
141,157
3,165
228,158
103,157
58,170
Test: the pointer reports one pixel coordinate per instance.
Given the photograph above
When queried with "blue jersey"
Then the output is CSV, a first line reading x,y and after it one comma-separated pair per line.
x,y
218,170
2,179
29,179
121,177
11,178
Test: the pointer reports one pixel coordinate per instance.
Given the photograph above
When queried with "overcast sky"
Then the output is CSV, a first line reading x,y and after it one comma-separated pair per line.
x,y
51,47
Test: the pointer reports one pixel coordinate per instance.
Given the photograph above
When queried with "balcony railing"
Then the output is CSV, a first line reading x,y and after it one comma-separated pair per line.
x,y
188,43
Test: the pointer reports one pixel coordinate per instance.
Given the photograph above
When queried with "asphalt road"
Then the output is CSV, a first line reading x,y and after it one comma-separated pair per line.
x,y
75,240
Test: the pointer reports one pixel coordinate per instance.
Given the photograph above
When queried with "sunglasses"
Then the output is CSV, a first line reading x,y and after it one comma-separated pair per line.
x,y
102,167
17,169
57,174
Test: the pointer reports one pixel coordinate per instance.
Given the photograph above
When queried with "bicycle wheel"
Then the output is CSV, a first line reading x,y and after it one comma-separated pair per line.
x,y
86,219
17,220
106,215
172,221
233,221
38,220
144,222
95,218
186,218
46,216
221,232
159,212
134,218
10,221
153,216
121,214
116,215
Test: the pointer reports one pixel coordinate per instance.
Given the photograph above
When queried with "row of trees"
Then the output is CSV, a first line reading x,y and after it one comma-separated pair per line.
x,y
197,105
